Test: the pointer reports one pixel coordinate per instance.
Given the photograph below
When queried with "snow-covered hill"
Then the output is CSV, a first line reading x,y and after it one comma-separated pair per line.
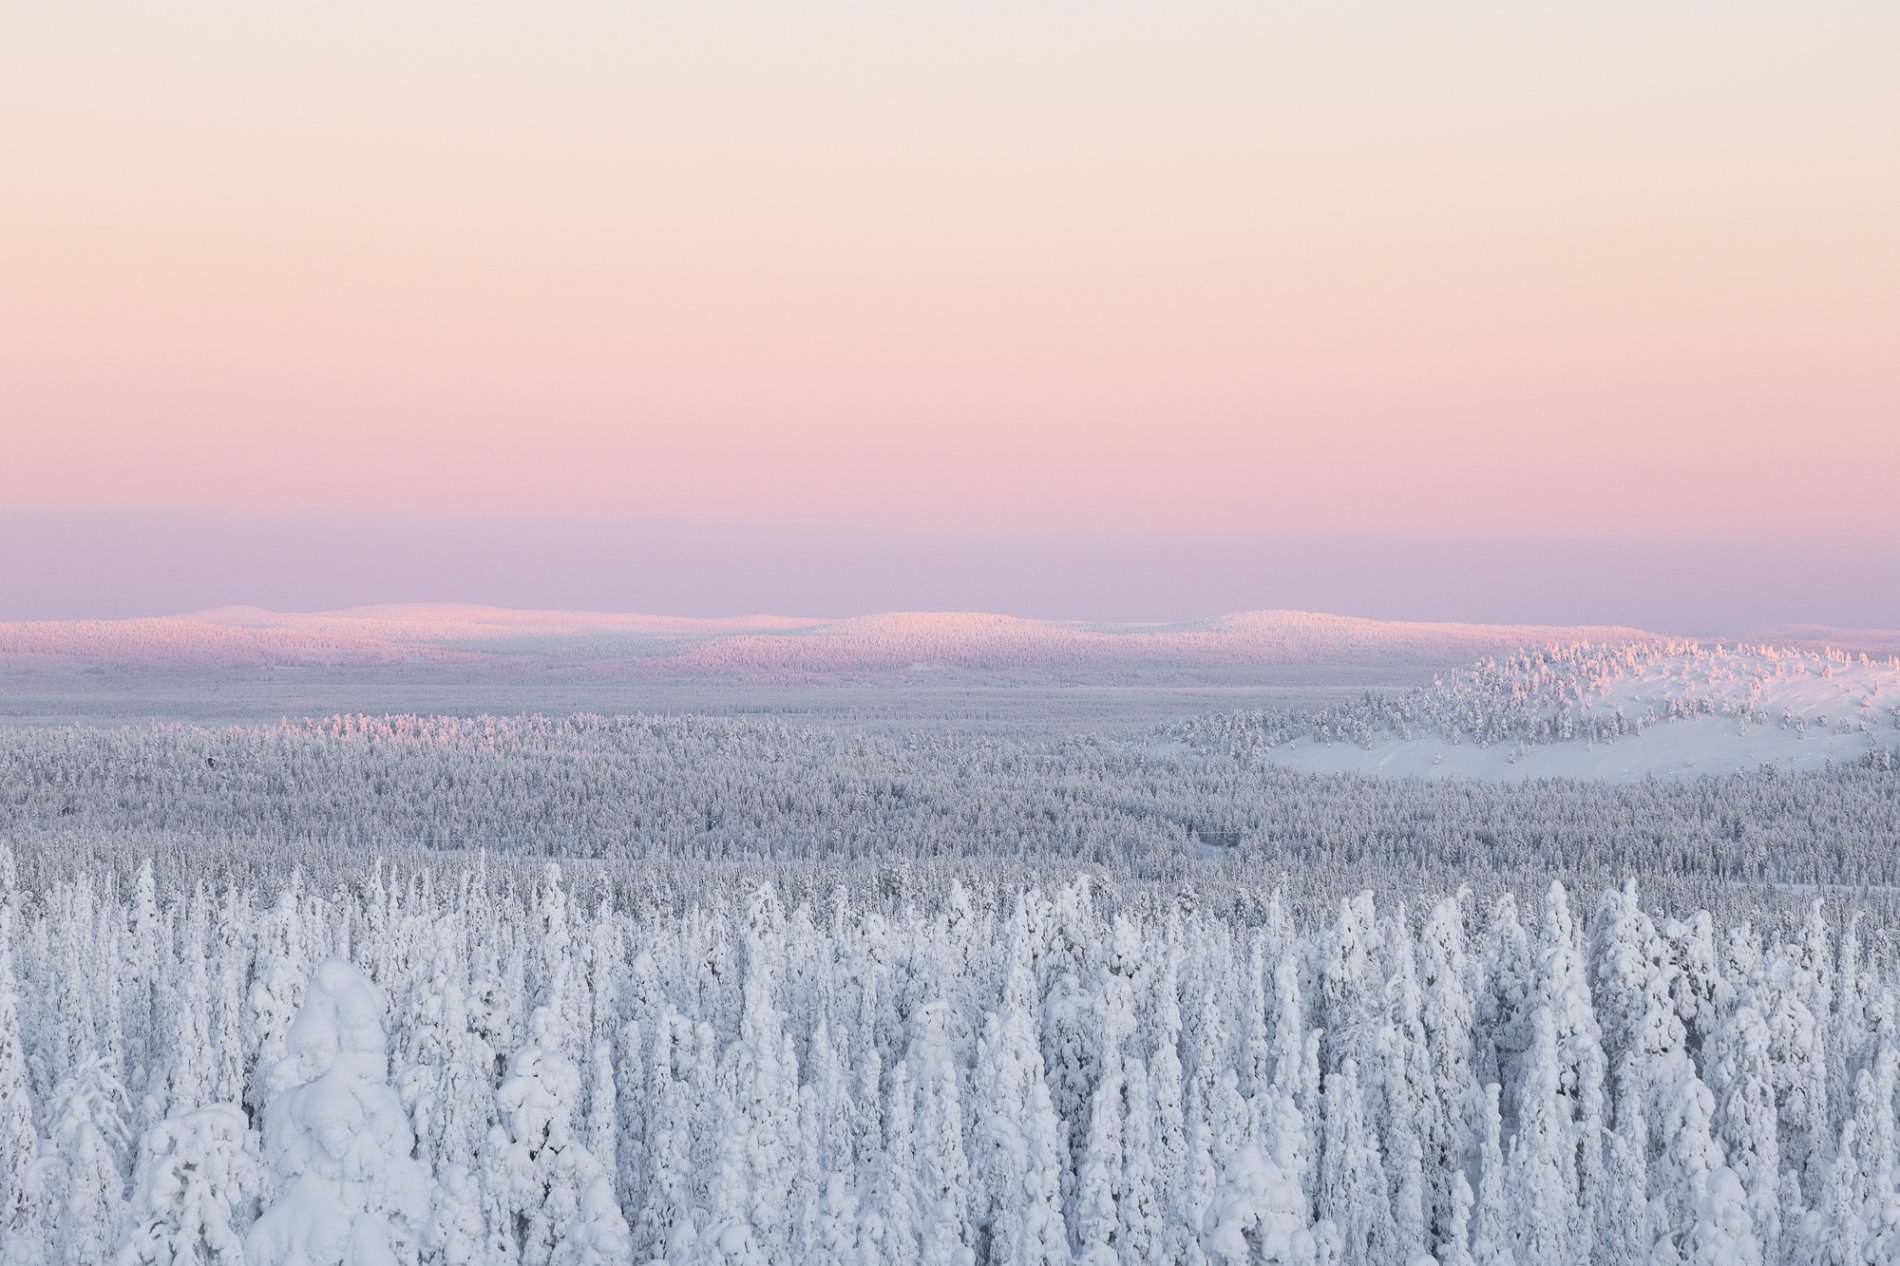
x,y
943,648
1665,708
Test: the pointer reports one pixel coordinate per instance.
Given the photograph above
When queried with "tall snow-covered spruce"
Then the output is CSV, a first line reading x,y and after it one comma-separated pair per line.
x,y
348,1190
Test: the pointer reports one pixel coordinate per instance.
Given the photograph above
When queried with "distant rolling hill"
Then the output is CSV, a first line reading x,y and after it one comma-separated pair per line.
x,y
913,647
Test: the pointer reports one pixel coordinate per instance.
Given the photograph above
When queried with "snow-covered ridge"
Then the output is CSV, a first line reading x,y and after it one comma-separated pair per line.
x,y
900,645
1590,710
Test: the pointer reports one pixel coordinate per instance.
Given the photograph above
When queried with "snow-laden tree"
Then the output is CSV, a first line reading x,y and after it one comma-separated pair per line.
x,y
1170,1123
541,1178
1704,1210
1542,1174
1450,1131
228,1053
729,1237
196,1184
942,1163
1025,1224
1098,1184
597,1234
444,1081
80,1184
20,1230
142,995
348,1191
1355,1202
1742,1080
892,1215
1491,1230
760,1076
1408,1095
277,986
1564,996
1257,1217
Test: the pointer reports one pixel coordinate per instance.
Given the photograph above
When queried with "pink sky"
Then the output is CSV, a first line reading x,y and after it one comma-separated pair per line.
x,y
1613,271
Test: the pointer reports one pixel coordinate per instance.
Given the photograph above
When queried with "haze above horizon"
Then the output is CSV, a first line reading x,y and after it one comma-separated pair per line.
x,y
116,564
1112,311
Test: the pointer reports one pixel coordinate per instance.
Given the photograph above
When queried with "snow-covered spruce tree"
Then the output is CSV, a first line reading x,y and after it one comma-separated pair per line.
x,y
1450,1132
1625,1234
1170,1124
1491,1216
557,974
1409,1093
891,1214
80,1184
187,1079
277,987
1508,971
1564,994
228,1054
196,1184
760,1075
337,1141
667,1204
597,1234
1224,1114
540,1176
1705,1213
603,1114
1142,1212
1346,993
1025,1226
943,1173
1355,1205
1098,1185
1834,1233
1070,1038
444,1081
1874,1120
1743,1082
142,997
85,942
20,1231
1805,973
1257,1217
1542,1183
729,1237
633,1113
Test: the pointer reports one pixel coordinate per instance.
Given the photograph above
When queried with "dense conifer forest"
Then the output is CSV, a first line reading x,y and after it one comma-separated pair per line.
x,y
537,990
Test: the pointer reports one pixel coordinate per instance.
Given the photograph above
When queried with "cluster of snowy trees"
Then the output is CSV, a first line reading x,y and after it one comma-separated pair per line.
x,y
1563,693
459,1067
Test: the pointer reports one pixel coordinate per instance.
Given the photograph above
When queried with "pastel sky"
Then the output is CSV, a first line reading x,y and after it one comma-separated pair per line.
x,y
1608,272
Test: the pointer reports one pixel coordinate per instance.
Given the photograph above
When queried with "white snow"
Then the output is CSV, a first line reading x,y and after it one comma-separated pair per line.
x,y
1684,710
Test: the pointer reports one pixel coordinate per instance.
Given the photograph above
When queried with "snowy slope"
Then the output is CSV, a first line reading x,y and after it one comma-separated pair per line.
x,y
935,648
1669,709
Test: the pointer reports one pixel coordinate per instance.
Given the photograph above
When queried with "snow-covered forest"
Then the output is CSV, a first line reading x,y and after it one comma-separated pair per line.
x,y
477,1066
791,798
855,988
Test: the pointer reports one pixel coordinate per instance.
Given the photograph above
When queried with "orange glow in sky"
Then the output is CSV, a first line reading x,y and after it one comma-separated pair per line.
x,y
1611,270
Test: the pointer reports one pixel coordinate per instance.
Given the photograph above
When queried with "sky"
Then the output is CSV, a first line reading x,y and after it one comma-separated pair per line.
x,y
952,296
